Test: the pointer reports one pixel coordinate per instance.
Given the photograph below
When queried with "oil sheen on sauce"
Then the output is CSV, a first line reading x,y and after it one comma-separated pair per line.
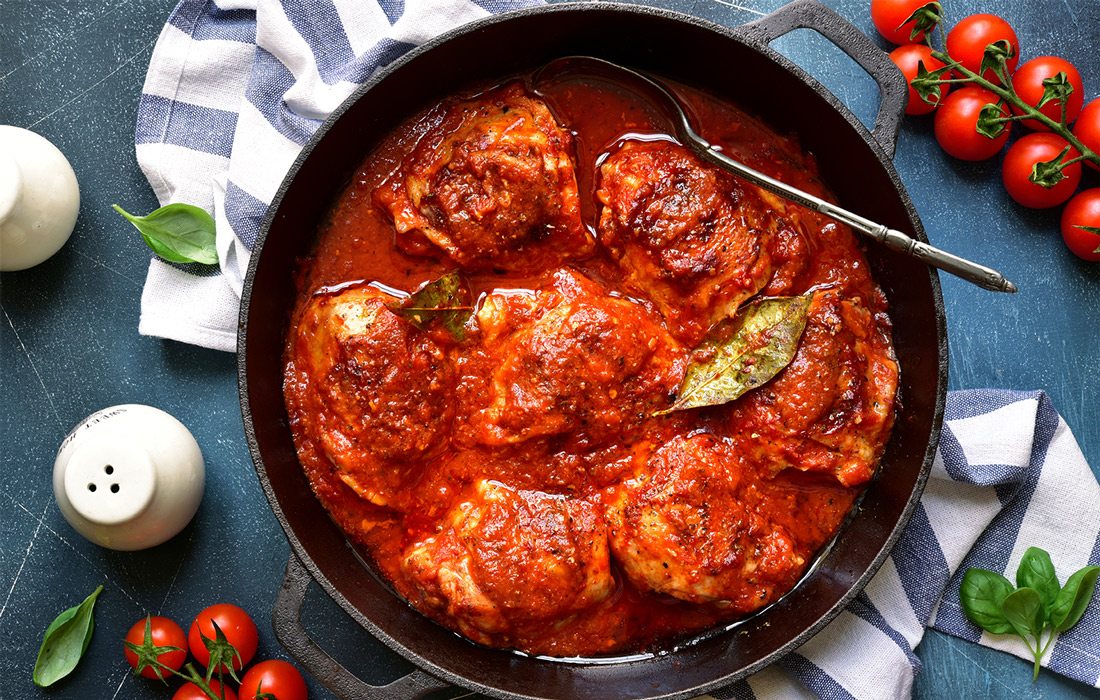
x,y
357,244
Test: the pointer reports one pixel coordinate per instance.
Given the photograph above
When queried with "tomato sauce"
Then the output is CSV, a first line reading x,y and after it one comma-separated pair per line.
x,y
806,503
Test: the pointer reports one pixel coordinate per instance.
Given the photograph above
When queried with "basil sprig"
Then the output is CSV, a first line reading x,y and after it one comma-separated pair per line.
x,y
65,641
179,233
1035,606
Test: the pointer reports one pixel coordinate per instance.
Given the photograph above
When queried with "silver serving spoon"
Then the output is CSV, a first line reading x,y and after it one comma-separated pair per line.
x,y
577,66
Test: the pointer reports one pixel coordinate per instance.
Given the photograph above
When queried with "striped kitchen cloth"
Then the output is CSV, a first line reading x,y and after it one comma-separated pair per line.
x,y
236,87
1008,475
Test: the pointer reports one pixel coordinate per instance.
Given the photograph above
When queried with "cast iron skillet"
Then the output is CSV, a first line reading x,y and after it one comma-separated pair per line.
x,y
736,64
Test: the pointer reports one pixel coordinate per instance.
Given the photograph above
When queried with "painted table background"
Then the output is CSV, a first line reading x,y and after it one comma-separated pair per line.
x,y
72,71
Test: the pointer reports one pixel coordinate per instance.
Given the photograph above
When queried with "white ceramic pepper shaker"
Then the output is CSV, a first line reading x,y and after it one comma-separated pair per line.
x,y
39,199
129,477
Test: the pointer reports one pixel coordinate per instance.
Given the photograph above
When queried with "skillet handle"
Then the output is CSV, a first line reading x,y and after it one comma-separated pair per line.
x,y
811,14
287,620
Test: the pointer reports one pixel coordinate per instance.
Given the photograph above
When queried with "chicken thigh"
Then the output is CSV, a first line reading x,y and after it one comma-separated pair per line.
x,y
377,384
493,187
687,527
573,358
831,409
688,235
505,559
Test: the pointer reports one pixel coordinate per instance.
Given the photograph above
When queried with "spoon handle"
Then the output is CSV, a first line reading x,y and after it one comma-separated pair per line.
x,y
983,276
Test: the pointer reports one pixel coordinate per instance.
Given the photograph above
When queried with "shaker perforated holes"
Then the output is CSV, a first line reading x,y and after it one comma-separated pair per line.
x,y
129,477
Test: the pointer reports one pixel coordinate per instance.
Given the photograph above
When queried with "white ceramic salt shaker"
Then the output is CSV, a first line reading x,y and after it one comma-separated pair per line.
x,y
129,477
39,199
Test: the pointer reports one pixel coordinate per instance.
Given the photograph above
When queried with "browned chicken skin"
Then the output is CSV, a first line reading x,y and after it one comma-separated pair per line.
x,y
507,559
379,385
573,358
512,481
684,526
691,237
831,408
492,187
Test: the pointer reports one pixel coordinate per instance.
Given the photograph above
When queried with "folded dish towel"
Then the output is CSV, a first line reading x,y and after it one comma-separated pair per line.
x,y
1009,475
236,88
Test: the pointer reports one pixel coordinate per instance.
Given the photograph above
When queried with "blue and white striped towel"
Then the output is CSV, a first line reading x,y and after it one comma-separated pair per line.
x,y
236,87
1009,475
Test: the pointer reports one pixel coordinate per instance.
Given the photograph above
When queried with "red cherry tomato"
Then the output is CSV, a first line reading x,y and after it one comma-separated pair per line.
x,y
190,691
275,677
956,123
890,18
1028,83
239,630
163,633
967,40
1087,128
1022,157
908,58
1083,210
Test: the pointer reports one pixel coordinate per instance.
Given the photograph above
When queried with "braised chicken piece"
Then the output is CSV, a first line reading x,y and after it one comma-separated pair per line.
x,y
493,187
502,452
831,409
691,237
506,559
377,388
686,526
573,358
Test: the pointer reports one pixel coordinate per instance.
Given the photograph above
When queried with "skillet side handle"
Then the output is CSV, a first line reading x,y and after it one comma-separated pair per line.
x,y
287,620
811,14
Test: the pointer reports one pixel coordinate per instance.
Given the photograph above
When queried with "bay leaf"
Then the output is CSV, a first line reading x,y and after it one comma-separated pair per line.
x,y
743,353
445,301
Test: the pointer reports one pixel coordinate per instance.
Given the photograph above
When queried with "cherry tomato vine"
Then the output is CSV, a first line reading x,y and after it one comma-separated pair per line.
x,y
969,77
223,638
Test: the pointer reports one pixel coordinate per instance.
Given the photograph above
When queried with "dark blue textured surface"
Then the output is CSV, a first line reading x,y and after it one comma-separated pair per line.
x,y
73,70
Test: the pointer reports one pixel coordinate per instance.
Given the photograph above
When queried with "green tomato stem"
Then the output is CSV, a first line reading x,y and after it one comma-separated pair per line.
x,y
196,678
1008,94
1013,118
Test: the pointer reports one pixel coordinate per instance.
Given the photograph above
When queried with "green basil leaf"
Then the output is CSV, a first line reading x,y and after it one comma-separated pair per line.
x,y
65,641
1023,608
1071,602
764,340
982,594
445,300
1037,571
179,233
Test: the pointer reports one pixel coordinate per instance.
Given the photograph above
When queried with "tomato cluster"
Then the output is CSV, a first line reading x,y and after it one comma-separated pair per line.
x,y
222,638
973,121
